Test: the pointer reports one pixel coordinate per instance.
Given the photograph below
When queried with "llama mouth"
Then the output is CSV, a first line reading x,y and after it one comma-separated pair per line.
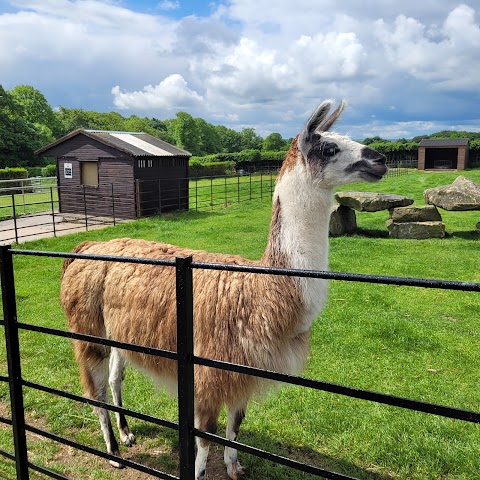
x,y
370,176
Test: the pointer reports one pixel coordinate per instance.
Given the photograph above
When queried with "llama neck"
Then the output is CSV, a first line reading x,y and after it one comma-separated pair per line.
x,y
299,237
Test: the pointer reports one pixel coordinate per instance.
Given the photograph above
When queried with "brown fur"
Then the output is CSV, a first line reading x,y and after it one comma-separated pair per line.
x,y
291,159
242,318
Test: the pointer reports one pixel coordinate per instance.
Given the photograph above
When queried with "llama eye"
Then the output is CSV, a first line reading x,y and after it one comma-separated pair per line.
x,y
330,149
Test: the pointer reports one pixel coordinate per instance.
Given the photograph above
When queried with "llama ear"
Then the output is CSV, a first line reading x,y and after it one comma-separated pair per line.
x,y
317,122
327,123
305,139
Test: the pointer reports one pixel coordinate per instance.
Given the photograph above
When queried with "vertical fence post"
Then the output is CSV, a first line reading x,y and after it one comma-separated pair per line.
x,y
225,193
113,206
22,183
261,186
179,195
238,188
196,194
13,361
184,285
14,211
85,208
211,192
53,212
159,195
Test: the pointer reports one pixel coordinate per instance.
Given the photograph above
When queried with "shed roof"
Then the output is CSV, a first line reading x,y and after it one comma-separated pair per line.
x,y
137,144
444,142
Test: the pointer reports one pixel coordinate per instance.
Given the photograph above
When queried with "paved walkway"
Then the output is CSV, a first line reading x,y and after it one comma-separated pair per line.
x,y
34,227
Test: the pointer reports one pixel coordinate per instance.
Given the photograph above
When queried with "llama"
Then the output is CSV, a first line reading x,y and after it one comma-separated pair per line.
x,y
256,320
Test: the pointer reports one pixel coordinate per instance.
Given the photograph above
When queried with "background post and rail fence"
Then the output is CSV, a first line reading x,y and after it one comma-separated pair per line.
x,y
34,206
186,360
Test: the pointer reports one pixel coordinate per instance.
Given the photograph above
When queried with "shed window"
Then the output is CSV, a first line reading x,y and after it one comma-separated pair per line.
x,y
89,172
148,163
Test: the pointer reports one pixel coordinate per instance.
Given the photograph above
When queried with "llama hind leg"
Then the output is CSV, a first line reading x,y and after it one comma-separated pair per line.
x,y
207,423
116,377
235,415
93,363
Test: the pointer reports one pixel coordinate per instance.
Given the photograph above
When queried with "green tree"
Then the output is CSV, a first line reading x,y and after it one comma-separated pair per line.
x,y
18,138
274,143
73,118
161,130
370,140
250,140
185,133
230,140
209,138
35,108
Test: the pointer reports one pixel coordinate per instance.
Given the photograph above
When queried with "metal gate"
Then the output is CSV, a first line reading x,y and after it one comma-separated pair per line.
x,y
186,360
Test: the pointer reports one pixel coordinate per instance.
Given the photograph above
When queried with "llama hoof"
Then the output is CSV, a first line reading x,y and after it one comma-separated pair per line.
x,y
115,464
235,470
129,440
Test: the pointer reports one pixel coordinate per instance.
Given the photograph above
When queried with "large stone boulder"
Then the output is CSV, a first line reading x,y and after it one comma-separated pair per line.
x,y
416,230
370,201
342,221
462,194
425,213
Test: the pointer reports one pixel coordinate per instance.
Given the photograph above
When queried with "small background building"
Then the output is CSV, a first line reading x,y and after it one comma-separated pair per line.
x,y
128,174
451,154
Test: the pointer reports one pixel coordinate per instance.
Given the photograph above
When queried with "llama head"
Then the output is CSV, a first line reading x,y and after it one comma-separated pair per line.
x,y
332,159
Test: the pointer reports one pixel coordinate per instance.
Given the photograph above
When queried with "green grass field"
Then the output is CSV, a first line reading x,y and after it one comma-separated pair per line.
x,y
417,343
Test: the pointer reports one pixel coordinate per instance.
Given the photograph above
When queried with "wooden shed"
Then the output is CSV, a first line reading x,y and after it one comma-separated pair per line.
x,y
127,174
450,154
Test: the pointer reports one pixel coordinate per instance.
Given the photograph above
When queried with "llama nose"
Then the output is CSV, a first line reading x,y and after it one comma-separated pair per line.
x,y
373,155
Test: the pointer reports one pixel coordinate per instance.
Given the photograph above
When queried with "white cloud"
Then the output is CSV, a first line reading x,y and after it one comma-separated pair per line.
x,y
251,62
447,56
169,5
170,93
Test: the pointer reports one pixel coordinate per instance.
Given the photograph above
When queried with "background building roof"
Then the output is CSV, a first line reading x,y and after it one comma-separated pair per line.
x,y
444,142
137,144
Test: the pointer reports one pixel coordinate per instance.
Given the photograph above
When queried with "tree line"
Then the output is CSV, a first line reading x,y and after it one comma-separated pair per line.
x,y
27,122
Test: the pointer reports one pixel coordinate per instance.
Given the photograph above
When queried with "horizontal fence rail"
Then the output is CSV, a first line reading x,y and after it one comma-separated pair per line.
x,y
186,360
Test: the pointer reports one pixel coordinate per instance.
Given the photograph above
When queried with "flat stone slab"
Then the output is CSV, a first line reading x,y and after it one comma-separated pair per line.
x,y
416,230
427,213
462,194
370,201
342,221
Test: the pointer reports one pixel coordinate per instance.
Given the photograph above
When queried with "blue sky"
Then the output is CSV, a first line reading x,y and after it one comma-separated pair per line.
x,y
405,68
172,8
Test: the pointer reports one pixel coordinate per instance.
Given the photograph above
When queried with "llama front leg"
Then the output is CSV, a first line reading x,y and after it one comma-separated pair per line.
x,y
116,377
235,415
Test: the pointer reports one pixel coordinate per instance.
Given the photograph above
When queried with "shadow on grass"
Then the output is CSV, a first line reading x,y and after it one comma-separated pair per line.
x,y
375,233
371,233
473,235
256,467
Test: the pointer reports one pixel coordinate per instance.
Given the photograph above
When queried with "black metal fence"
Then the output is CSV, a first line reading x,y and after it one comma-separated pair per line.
x,y
186,360
25,215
